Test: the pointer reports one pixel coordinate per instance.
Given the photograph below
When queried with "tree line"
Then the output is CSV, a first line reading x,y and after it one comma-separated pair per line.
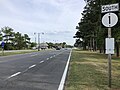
x,y
90,32
14,40
17,41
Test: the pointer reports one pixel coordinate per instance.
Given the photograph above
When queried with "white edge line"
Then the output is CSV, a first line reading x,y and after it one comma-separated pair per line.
x,y
32,66
14,75
62,82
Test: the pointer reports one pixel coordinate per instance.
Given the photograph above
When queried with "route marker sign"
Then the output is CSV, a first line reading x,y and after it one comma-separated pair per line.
x,y
109,19
110,8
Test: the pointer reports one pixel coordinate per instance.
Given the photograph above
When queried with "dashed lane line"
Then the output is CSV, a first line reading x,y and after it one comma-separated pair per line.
x,y
41,61
14,75
32,66
51,57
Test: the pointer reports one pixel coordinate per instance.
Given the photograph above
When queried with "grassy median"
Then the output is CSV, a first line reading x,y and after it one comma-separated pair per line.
x,y
16,52
88,71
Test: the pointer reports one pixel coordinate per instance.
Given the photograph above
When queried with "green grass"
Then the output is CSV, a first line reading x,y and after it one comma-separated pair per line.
x,y
88,71
14,53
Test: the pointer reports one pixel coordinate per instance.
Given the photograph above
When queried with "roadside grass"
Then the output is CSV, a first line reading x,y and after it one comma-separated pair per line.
x,y
16,52
88,71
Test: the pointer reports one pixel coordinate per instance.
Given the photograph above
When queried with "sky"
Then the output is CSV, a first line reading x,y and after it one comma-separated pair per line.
x,y
57,19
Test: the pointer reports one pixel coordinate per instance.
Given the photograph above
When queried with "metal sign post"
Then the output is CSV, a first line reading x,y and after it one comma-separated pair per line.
x,y
109,61
3,51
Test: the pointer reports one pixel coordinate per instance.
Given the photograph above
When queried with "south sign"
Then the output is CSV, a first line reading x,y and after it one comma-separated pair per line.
x,y
110,8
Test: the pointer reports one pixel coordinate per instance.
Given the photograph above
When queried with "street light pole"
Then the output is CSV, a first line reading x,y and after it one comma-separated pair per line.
x,y
35,36
38,41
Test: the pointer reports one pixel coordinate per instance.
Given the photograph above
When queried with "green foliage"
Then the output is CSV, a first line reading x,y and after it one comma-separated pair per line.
x,y
50,45
33,44
14,40
90,33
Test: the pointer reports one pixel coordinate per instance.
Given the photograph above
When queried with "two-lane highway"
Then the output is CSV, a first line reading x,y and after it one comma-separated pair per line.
x,y
33,71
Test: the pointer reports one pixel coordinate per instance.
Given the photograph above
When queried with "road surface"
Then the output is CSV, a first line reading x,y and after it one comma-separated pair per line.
x,y
33,71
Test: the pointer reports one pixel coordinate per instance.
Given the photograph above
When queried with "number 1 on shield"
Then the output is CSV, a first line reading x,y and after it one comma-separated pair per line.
x,y
109,20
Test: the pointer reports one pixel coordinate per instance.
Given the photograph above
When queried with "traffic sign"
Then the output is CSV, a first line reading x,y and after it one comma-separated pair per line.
x,y
109,45
109,19
110,8
2,44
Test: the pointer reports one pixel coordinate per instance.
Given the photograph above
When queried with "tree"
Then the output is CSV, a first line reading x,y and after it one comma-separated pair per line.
x,y
14,40
26,41
50,45
7,37
89,28
1,38
32,44
64,44
18,41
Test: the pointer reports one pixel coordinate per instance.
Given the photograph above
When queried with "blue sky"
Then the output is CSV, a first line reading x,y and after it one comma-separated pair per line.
x,y
57,19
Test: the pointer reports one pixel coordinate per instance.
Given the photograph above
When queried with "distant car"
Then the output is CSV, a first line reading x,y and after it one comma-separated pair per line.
x,y
58,48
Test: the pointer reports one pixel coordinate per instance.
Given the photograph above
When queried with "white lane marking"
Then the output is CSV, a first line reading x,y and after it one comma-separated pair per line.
x,y
41,61
62,82
51,57
14,75
32,66
47,58
59,53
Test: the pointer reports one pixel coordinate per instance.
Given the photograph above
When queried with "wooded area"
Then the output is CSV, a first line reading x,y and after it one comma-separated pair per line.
x,y
90,32
17,41
14,40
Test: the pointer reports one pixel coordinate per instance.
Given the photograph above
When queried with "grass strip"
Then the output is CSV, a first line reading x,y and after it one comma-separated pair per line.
x,y
88,71
16,52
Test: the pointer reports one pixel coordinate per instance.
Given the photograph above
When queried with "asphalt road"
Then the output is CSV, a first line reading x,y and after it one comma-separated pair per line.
x,y
34,71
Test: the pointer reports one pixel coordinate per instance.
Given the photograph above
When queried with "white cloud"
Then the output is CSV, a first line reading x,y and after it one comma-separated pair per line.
x,y
58,17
